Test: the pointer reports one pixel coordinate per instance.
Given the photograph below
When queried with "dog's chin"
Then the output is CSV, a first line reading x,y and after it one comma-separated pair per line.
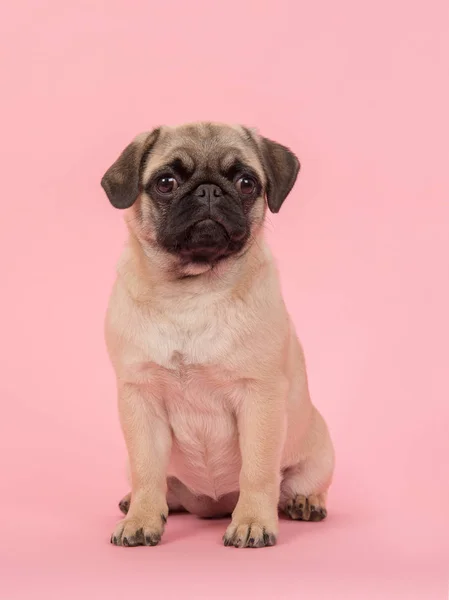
x,y
192,269
191,264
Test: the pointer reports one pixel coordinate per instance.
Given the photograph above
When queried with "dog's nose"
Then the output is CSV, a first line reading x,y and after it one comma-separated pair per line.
x,y
208,192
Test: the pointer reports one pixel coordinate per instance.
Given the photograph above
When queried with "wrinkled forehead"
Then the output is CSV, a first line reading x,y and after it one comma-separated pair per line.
x,y
204,147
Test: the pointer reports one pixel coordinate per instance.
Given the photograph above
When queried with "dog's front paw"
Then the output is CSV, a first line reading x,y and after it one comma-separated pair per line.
x,y
250,534
139,531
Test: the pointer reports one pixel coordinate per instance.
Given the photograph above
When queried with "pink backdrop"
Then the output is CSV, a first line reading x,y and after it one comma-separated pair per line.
x,y
360,91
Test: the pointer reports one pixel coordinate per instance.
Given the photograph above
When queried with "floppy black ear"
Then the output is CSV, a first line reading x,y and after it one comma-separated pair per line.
x,y
282,168
121,182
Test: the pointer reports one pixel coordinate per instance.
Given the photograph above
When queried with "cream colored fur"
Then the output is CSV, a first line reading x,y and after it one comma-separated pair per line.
x,y
212,388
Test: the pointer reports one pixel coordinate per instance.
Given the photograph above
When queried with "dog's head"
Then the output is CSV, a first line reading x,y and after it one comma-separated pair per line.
x,y
198,192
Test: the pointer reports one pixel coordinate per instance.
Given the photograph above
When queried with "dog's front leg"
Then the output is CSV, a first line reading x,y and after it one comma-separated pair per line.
x,y
261,419
148,440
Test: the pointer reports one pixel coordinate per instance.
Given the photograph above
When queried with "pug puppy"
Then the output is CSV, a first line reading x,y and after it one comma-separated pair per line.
x,y
211,380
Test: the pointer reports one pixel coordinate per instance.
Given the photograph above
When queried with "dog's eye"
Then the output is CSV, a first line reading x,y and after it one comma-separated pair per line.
x,y
245,185
166,184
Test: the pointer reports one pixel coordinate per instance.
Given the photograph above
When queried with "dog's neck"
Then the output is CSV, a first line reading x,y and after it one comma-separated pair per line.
x,y
148,273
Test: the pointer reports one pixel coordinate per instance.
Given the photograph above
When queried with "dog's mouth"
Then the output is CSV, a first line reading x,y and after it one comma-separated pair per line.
x,y
204,241
207,242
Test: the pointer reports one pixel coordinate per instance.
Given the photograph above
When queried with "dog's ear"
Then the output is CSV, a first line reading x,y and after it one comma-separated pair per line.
x,y
281,168
121,182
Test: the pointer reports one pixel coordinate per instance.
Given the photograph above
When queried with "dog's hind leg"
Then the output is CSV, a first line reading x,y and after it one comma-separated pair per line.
x,y
304,485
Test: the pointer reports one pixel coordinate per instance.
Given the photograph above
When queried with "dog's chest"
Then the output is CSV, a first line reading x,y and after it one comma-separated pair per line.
x,y
192,337
187,358
205,452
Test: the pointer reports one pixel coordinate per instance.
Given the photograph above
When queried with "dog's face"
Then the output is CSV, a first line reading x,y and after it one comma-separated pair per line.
x,y
197,192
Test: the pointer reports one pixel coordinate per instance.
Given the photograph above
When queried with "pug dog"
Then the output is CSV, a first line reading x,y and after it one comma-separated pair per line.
x,y
211,380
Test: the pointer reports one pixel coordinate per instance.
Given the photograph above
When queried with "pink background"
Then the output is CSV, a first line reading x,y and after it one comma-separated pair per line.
x,y
360,91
